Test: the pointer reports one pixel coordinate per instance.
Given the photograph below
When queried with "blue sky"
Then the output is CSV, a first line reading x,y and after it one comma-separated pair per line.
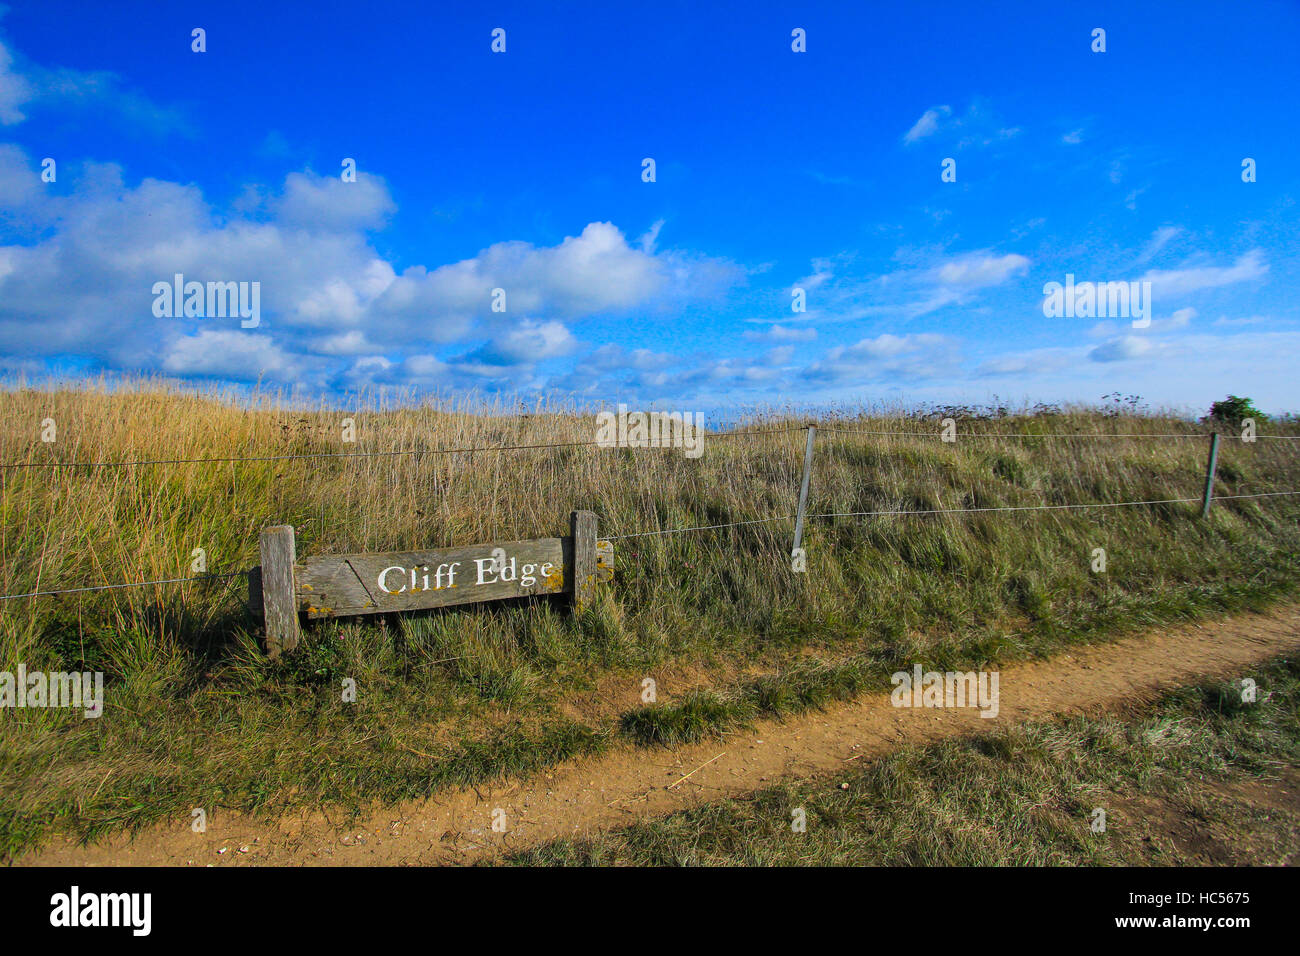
x,y
775,170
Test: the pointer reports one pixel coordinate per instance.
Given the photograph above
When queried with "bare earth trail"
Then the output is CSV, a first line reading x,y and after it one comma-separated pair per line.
x,y
598,793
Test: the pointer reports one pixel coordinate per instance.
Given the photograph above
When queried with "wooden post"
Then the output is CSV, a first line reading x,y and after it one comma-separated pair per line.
x,y
1209,475
583,525
803,490
279,599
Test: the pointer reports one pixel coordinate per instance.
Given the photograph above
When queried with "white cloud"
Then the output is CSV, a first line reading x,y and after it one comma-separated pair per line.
x,y
86,275
226,354
650,237
1121,349
327,203
20,181
348,343
978,126
928,281
527,343
1247,268
781,333
1159,239
927,124
15,91
908,357
25,85
978,270
1241,321
612,357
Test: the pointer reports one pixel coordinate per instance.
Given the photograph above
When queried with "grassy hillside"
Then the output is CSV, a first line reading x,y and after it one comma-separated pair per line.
x,y
196,717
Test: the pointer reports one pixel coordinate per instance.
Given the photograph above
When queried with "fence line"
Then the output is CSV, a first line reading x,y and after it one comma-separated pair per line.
x,y
703,527
799,518
588,444
129,584
730,524
323,454
969,434
948,511
364,454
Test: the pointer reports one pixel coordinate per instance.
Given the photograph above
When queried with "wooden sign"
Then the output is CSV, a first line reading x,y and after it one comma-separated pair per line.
x,y
341,585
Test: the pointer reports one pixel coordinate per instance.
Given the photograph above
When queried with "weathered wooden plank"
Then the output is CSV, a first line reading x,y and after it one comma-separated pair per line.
x,y
604,562
279,604
583,524
334,585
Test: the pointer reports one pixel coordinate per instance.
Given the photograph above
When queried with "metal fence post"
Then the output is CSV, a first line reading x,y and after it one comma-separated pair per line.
x,y
1209,475
803,490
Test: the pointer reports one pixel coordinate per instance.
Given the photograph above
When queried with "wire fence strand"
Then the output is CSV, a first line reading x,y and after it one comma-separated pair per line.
x,y
717,527
357,454
660,532
129,584
945,511
373,454
970,434
485,449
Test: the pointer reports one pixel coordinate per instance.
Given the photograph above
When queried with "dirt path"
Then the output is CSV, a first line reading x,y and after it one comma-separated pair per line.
x,y
608,791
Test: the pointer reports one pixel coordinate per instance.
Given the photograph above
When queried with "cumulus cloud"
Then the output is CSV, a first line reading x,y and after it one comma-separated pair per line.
x,y
609,357
908,357
327,203
226,355
83,275
527,343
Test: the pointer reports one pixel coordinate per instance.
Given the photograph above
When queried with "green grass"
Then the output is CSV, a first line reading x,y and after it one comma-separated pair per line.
x,y
803,686
1024,797
197,717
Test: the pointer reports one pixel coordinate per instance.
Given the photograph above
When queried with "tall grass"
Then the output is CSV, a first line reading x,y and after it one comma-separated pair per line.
x,y
195,713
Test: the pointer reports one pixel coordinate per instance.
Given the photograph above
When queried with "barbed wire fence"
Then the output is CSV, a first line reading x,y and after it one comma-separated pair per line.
x,y
800,517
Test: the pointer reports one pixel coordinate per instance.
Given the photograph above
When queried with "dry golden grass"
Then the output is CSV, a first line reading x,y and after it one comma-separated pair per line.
x,y
196,714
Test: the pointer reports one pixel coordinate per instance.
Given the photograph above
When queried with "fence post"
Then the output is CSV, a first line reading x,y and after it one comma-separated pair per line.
x,y
803,489
1209,475
583,528
279,597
